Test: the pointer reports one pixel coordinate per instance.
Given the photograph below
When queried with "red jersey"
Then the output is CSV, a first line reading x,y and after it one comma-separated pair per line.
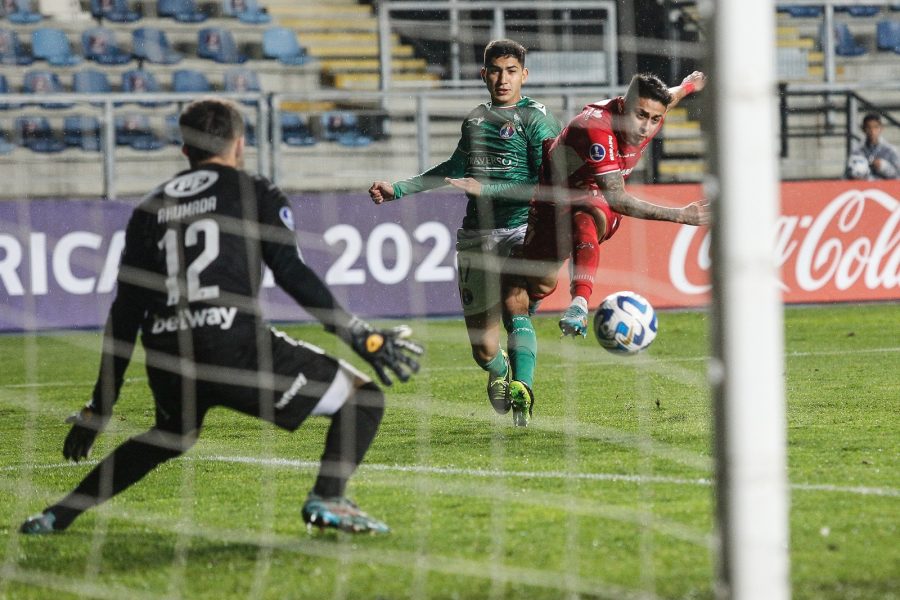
x,y
589,146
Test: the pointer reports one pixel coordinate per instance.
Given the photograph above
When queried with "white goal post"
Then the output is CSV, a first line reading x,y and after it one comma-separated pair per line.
x,y
746,373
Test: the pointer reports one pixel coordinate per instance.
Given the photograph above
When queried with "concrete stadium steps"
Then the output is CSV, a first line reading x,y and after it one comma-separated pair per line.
x,y
343,36
370,81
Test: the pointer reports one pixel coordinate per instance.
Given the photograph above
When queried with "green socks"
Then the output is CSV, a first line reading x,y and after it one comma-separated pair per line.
x,y
522,349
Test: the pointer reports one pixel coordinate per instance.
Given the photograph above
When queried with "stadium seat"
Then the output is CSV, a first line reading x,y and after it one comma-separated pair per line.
x,y
802,12
5,145
844,42
134,130
116,11
44,82
91,81
247,11
217,43
239,80
139,81
11,51
294,131
99,45
4,89
184,11
887,35
21,12
53,46
343,127
188,80
36,134
249,131
173,131
152,45
281,43
82,131
859,10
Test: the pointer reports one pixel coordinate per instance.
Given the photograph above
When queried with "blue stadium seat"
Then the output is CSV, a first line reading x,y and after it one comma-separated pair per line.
x,y
184,11
152,45
173,131
247,11
859,10
36,134
240,79
139,81
134,130
21,12
844,42
44,82
90,81
887,35
53,46
343,127
4,89
249,131
82,131
11,51
294,130
116,11
217,43
188,80
5,145
803,12
99,44
281,43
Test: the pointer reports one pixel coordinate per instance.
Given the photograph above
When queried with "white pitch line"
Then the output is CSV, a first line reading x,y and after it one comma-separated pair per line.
x,y
489,473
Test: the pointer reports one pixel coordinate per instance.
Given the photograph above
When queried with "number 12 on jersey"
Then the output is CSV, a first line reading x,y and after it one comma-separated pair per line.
x,y
170,243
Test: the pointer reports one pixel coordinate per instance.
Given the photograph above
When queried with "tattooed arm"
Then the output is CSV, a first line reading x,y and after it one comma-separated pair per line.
x,y
613,187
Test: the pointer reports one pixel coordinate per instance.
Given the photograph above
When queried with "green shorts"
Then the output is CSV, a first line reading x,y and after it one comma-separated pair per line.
x,y
480,256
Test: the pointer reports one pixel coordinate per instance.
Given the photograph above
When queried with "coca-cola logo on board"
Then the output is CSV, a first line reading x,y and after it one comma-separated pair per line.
x,y
854,240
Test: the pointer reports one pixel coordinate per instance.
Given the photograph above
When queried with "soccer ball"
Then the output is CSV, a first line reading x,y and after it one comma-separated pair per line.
x,y
858,167
625,323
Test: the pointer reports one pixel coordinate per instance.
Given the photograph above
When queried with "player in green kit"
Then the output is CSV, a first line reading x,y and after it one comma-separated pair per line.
x,y
496,164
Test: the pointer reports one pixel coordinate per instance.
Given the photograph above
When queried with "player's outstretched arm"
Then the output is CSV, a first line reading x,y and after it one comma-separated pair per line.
x,y
385,349
381,192
613,187
694,82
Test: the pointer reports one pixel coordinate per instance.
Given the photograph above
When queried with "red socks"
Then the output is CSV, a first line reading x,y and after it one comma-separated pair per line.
x,y
585,254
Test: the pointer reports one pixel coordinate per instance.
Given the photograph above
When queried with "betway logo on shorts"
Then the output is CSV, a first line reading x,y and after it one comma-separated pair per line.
x,y
187,318
492,161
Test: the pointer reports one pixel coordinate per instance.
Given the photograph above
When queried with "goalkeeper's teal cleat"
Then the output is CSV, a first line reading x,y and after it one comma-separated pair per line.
x,y
339,513
522,401
574,321
498,388
38,524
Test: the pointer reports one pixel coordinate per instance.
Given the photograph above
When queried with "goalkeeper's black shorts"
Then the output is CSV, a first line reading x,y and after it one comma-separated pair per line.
x,y
284,382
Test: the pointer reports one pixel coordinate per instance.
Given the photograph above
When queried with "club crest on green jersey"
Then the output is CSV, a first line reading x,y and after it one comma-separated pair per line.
x,y
508,130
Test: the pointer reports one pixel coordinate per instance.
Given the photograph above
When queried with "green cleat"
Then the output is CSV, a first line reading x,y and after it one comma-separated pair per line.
x,y
498,388
38,524
522,402
339,513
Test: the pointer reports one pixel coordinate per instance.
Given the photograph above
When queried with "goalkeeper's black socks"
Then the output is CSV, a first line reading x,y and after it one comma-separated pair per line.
x,y
352,430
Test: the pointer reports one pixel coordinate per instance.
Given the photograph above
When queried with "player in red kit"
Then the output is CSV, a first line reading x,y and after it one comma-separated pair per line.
x,y
581,198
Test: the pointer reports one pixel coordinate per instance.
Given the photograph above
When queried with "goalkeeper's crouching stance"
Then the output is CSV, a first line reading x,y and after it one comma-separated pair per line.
x,y
188,281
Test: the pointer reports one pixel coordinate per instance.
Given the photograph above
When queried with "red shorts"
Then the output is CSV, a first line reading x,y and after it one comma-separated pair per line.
x,y
548,238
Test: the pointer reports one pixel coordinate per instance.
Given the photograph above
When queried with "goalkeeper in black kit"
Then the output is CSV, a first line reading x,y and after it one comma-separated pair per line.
x,y
188,280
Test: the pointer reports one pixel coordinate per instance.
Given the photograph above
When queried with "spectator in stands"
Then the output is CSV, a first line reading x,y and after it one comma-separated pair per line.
x,y
882,158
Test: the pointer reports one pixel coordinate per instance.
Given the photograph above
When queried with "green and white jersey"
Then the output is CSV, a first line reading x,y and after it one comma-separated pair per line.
x,y
500,147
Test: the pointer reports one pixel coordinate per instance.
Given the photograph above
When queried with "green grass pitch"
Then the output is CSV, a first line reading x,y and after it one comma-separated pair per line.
x,y
607,495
